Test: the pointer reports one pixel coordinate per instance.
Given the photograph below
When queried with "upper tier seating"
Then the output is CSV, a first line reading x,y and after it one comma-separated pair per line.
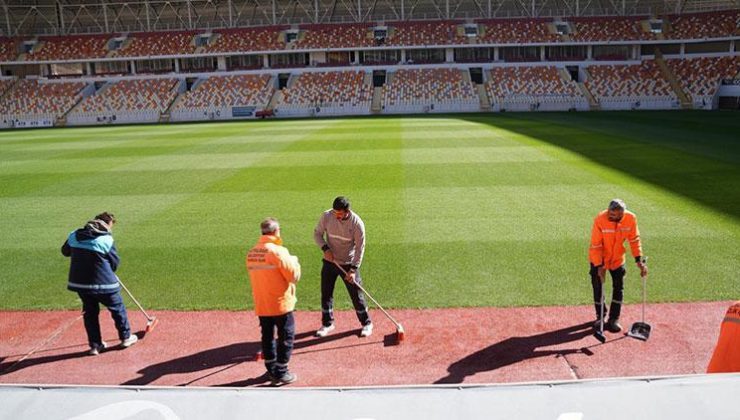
x,y
8,49
71,47
130,95
704,25
423,33
514,31
248,39
31,97
336,36
226,91
590,29
158,43
328,89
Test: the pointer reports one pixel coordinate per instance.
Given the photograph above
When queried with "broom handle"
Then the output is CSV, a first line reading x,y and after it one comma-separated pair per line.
x,y
148,318
644,296
601,324
369,295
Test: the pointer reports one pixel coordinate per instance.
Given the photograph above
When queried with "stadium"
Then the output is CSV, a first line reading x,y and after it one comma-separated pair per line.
x,y
480,142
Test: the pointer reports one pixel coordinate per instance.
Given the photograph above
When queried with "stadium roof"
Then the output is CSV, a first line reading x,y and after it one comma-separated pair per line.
x,y
59,17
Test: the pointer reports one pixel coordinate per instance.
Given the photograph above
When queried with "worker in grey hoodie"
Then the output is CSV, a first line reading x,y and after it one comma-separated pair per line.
x,y
340,234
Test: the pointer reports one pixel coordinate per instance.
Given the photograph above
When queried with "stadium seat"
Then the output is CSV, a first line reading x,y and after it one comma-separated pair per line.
x,y
335,36
411,88
8,49
129,96
5,84
629,84
35,99
516,31
703,25
527,87
248,39
611,28
147,44
338,89
423,33
700,77
227,91
71,47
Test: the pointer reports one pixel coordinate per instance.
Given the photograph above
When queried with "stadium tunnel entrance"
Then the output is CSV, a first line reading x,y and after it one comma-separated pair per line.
x,y
476,75
378,78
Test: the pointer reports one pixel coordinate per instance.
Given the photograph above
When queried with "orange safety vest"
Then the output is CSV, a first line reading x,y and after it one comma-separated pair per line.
x,y
273,273
607,240
726,357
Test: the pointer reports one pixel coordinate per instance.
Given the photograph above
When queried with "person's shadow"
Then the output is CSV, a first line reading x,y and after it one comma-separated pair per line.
x,y
23,363
514,350
226,357
9,367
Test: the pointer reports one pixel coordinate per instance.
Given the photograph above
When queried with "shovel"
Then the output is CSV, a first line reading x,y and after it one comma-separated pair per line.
x,y
641,330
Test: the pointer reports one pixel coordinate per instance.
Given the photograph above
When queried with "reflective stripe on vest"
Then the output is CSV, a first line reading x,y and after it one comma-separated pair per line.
x,y
94,286
261,267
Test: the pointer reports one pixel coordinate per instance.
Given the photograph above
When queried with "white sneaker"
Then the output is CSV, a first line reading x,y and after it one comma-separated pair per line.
x,y
367,330
130,341
97,349
324,330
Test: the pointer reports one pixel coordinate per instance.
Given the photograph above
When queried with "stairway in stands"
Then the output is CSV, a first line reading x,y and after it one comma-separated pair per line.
x,y
672,80
593,104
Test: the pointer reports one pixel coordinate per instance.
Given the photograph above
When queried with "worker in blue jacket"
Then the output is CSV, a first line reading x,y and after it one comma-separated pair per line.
x,y
92,276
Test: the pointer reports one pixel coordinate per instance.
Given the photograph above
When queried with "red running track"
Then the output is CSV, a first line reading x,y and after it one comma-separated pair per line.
x,y
476,345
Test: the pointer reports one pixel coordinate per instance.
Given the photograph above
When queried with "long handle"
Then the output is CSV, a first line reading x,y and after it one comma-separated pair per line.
x,y
601,324
644,296
369,295
148,318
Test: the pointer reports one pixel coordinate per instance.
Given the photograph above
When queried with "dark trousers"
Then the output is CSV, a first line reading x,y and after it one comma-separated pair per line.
x,y
329,274
277,362
615,309
91,309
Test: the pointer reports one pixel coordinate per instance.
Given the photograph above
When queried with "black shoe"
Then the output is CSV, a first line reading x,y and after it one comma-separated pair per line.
x,y
270,376
613,326
286,378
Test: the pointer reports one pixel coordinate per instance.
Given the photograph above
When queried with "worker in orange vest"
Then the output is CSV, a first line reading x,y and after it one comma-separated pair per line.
x,y
726,357
612,227
273,274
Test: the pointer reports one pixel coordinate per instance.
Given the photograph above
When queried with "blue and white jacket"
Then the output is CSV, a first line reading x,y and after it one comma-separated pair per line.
x,y
94,262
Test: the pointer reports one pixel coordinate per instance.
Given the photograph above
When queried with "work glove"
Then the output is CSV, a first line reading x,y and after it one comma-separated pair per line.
x,y
601,272
350,278
643,269
328,255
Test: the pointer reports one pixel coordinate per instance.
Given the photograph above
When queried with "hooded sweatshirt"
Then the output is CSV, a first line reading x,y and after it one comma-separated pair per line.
x,y
94,259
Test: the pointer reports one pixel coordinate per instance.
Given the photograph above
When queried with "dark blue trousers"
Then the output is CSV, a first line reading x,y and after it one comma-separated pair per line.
x,y
276,362
91,309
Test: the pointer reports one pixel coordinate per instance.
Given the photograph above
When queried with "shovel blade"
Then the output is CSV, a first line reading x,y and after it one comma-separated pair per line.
x,y
600,336
640,331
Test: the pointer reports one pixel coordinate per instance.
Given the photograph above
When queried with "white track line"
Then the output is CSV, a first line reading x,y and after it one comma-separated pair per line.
x,y
54,335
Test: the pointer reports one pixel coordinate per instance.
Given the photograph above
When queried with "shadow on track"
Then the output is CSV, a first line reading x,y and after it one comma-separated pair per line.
x,y
227,357
23,363
514,350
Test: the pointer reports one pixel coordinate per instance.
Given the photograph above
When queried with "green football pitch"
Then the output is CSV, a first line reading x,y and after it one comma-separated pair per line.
x,y
466,210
